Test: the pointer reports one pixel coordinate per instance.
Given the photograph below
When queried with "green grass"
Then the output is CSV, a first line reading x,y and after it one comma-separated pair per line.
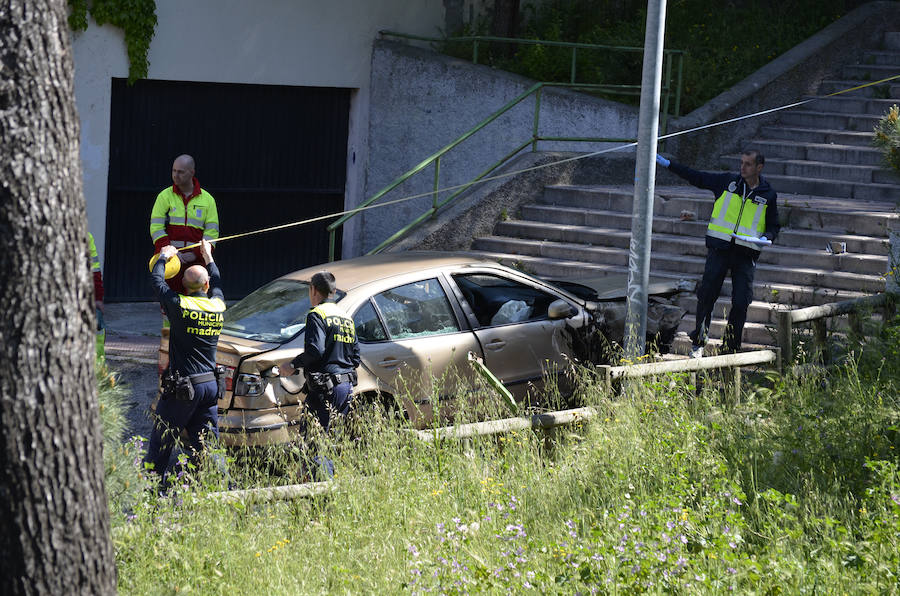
x,y
796,489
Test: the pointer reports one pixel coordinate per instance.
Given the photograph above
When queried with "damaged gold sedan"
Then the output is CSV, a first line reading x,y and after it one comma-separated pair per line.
x,y
418,316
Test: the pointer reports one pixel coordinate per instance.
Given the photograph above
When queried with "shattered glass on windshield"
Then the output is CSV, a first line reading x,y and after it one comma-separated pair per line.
x,y
274,313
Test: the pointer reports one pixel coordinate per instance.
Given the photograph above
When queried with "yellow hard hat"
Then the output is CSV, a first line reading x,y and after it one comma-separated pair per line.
x,y
173,265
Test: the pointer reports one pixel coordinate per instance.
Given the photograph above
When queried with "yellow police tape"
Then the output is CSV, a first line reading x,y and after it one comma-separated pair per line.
x,y
173,265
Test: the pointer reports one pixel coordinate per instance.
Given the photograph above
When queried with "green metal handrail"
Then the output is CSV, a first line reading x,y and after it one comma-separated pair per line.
x,y
535,90
669,56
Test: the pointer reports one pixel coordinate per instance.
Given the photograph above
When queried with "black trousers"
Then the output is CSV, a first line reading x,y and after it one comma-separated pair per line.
x,y
719,262
322,405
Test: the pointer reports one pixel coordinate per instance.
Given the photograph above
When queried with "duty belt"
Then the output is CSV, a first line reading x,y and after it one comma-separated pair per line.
x,y
202,378
344,378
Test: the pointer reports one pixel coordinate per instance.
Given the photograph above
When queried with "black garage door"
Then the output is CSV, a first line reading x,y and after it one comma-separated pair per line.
x,y
269,155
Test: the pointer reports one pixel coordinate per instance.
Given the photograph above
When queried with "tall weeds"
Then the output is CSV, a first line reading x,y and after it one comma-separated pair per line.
x,y
673,488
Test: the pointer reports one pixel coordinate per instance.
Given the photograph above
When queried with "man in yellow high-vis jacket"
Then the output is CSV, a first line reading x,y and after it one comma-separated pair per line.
x,y
744,219
98,295
183,214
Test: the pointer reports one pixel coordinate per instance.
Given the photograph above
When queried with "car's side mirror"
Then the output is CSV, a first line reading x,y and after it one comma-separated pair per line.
x,y
560,309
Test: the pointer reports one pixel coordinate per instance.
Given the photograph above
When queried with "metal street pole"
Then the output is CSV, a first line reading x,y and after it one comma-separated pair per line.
x,y
644,182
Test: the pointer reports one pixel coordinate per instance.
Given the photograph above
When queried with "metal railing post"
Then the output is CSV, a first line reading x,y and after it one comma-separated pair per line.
x,y
475,52
785,337
678,87
665,110
437,185
574,59
537,118
331,235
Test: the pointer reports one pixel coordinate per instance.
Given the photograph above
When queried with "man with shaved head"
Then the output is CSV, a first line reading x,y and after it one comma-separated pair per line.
x,y
183,214
191,385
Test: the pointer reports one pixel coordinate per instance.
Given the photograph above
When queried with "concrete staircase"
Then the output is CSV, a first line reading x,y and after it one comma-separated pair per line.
x,y
831,187
580,231
825,147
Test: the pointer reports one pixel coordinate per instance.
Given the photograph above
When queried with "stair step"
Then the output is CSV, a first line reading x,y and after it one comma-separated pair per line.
x,y
885,90
791,295
849,104
610,220
754,333
891,40
589,206
673,244
842,172
830,120
687,266
834,188
881,58
816,135
811,151
869,72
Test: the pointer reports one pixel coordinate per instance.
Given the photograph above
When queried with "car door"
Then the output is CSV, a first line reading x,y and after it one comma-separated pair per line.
x,y
412,340
510,317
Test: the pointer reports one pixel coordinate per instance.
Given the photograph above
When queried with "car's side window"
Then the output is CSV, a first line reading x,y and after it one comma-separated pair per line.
x,y
498,300
416,309
368,326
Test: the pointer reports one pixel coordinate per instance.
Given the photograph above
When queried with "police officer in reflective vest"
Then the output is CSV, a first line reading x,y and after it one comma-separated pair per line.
x,y
192,385
330,352
744,219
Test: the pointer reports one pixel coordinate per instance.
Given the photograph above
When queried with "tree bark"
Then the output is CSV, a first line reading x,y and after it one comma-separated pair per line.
x,y
54,520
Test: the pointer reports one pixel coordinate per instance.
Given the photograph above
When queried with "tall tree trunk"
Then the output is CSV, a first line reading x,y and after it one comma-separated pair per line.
x,y
54,521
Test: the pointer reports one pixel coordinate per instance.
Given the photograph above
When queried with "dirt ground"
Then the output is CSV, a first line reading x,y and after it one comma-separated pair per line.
x,y
132,340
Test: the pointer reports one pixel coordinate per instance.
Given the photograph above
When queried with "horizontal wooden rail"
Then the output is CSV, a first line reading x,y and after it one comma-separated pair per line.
x,y
811,313
733,362
689,364
273,493
505,425
818,314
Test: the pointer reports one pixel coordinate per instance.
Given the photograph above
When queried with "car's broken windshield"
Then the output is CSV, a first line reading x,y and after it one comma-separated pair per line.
x,y
274,313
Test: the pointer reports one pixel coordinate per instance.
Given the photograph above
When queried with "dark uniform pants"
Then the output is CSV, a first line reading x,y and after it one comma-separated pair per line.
x,y
198,416
718,263
322,404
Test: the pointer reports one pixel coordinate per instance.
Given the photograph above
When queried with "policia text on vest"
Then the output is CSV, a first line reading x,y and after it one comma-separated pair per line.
x,y
192,384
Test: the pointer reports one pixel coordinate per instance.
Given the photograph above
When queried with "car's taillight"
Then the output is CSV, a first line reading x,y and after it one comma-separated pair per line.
x,y
249,385
229,378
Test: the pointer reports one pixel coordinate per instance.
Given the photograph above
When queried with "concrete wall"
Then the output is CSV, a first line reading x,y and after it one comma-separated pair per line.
x,y
280,42
422,101
785,80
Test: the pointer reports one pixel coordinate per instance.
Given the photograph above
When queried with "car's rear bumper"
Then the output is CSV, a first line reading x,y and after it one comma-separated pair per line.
x,y
244,428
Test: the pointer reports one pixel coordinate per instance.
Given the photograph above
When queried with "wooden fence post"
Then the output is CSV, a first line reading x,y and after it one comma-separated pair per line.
x,y
820,331
785,337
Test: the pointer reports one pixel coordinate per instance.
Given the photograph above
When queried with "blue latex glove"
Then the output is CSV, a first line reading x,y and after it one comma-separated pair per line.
x,y
662,161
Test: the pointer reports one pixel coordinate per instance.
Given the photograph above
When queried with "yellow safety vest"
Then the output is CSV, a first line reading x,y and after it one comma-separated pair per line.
x,y
733,213
185,224
338,324
202,316
95,258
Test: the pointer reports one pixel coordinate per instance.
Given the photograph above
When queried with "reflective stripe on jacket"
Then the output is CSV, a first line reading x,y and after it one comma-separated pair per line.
x,y
95,258
175,223
733,213
330,343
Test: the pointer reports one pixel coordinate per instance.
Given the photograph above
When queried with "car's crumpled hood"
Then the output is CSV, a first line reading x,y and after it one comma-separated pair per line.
x,y
615,287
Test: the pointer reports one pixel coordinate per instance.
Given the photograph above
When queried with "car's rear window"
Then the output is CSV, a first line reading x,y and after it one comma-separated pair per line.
x,y
275,313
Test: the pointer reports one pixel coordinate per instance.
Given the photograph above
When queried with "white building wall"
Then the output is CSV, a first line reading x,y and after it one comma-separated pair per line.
x,y
279,42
